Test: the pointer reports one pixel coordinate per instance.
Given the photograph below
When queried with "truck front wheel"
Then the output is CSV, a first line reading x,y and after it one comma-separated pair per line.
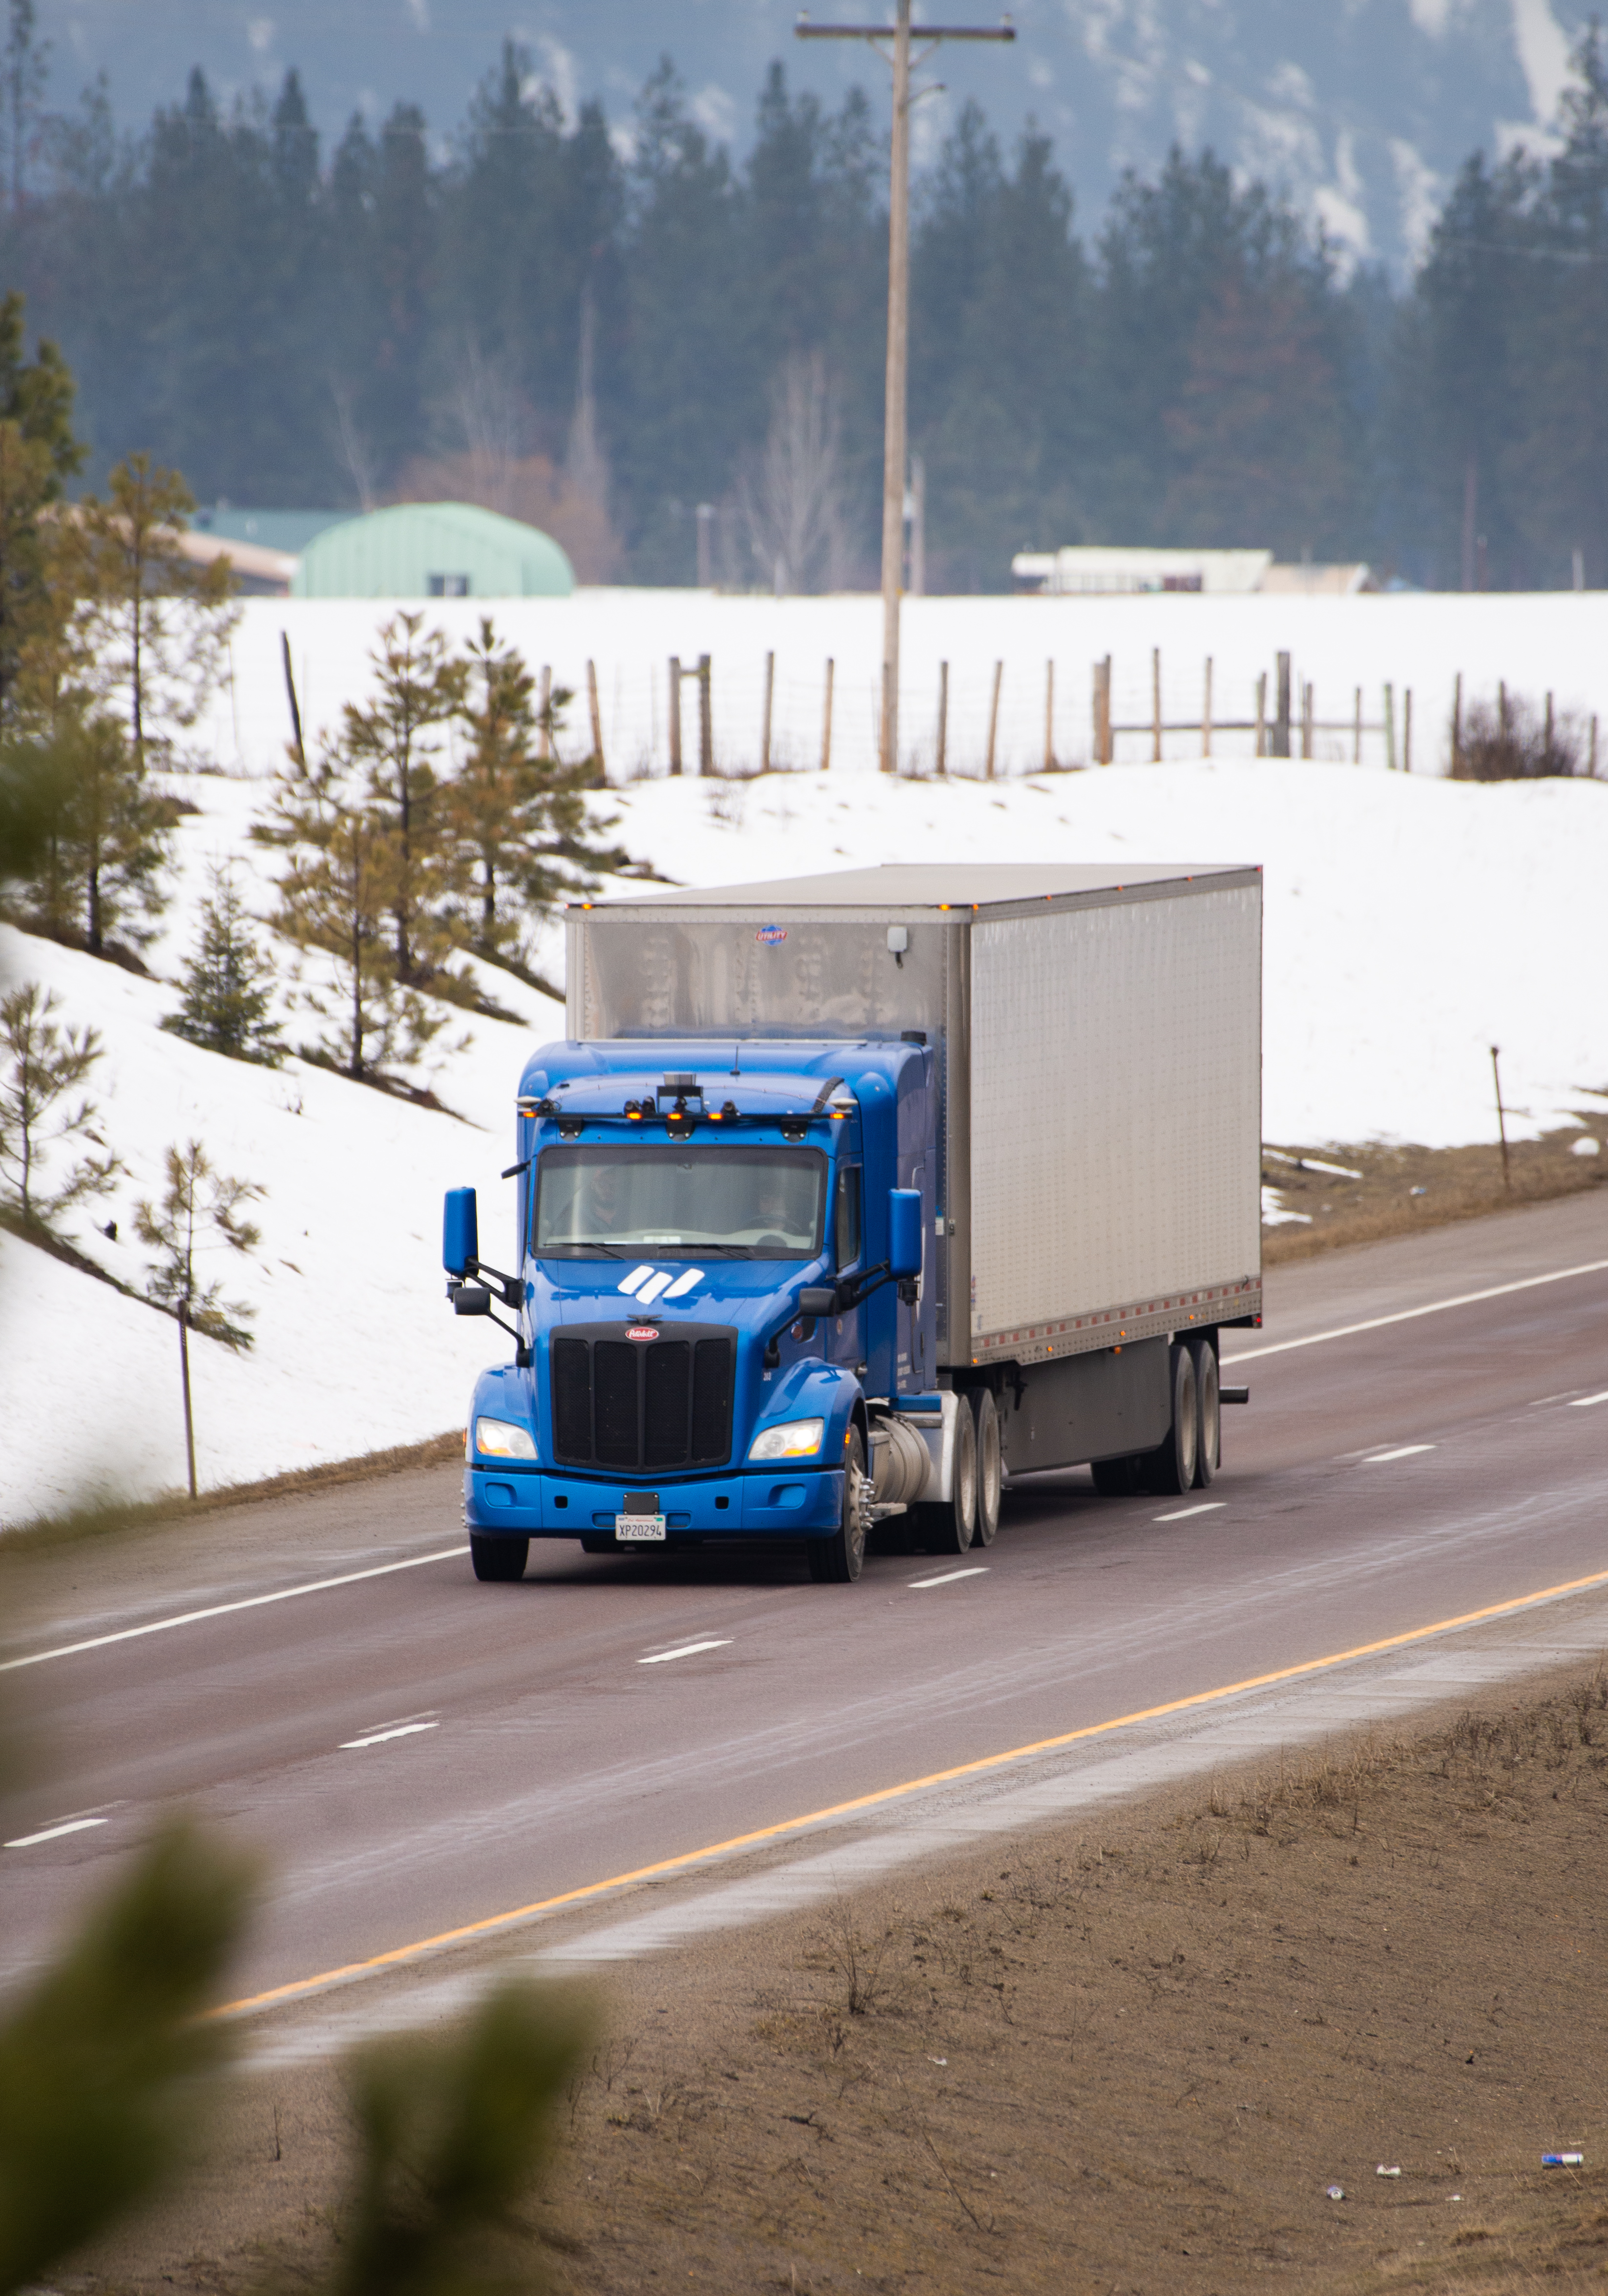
x,y
838,1559
950,1527
497,1558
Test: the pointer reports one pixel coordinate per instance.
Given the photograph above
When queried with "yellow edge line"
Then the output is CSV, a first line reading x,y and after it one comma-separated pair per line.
x,y
400,1954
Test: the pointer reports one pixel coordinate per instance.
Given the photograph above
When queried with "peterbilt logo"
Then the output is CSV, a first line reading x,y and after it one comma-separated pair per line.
x,y
642,1332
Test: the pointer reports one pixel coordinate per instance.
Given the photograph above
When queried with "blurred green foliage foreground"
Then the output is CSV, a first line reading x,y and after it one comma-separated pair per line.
x,y
106,2073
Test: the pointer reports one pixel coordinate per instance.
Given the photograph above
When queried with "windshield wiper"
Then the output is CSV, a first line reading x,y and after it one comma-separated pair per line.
x,y
587,1251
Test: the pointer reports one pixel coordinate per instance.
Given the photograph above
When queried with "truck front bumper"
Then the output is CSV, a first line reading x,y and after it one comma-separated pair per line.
x,y
538,1504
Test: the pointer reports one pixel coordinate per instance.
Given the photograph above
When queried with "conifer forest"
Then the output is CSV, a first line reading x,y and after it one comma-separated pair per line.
x,y
601,324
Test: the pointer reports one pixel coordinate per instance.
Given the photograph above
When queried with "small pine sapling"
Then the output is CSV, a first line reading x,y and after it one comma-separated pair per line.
x,y
45,1065
227,993
200,1212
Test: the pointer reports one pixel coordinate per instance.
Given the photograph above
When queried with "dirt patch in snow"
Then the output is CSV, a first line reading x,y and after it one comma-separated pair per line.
x,y
1398,1191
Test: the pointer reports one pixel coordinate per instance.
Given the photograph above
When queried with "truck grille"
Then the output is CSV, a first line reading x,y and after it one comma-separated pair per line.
x,y
637,1404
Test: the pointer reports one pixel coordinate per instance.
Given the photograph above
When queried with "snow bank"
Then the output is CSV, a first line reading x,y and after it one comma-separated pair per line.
x,y
1411,924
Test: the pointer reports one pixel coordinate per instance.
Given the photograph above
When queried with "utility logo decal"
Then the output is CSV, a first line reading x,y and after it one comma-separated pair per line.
x,y
645,1284
768,935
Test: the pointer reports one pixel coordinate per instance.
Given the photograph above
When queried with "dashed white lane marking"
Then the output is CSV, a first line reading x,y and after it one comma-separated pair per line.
x,y
379,1737
1180,1514
687,1649
948,1578
1584,1402
1406,1451
52,1833
222,1610
1407,1315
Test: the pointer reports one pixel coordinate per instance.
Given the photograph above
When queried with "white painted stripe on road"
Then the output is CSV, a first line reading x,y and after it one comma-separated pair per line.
x,y
52,1833
687,1649
380,1737
1585,1402
222,1610
948,1577
1407,1315
1406,1451
1181,1514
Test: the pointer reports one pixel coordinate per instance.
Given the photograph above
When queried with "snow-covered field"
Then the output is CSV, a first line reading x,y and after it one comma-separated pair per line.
x,y
1554,642
1411,924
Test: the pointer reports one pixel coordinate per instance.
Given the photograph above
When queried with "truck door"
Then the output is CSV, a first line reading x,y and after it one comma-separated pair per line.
x,y
846,1336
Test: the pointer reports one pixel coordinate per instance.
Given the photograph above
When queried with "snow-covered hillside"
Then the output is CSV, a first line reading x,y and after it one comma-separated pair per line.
x,y
1411,924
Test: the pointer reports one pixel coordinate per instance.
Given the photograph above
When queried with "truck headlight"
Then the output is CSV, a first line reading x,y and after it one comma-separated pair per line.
x,y
795,1439
502,1439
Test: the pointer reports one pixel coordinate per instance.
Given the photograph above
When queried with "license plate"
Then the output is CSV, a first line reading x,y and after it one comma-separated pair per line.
x,y
638,1527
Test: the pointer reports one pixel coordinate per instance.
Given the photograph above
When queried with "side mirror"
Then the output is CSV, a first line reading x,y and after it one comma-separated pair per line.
x,y
471,1299
460,1235
818,1300
904,1232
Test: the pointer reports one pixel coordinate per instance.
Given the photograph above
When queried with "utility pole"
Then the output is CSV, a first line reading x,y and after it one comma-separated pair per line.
x,y
900,33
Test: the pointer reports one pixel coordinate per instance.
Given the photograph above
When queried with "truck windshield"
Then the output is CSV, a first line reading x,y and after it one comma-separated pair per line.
x,y
744,1203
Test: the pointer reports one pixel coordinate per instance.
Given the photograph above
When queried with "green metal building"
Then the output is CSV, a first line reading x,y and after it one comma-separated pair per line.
x,y
432,550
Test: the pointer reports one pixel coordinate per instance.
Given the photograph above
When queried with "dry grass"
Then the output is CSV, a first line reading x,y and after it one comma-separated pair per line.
x,y
1403,1190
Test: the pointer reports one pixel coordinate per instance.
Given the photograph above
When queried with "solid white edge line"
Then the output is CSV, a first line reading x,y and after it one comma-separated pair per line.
x,y
686,1649
379,1737
1402,1451
52,1833
222,1610
1206,1507
1407,1315
1584,1402
948,1577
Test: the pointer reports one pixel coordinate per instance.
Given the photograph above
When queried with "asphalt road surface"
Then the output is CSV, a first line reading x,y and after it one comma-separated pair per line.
x,y
414,1752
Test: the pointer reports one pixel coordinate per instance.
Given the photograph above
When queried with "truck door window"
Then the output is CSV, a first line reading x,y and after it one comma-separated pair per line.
x,y
849,1216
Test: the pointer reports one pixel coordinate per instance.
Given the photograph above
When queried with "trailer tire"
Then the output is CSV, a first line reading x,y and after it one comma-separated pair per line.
x,y
498,1559
949,1526
1209,1411
991,1465
838,1559
1170,1467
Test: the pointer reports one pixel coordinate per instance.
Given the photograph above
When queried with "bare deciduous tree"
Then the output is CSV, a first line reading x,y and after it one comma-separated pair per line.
x,y
792,498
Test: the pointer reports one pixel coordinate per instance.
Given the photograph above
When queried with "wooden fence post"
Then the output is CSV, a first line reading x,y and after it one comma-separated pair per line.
x,y
1261,715
1457,726
1281,723
1390,729
770,689
1591,768
675,714
1103,711
1406,730
1155,705
987,771
1206,714
943,718
826,723
706,721
1357,729
597,747
1049,717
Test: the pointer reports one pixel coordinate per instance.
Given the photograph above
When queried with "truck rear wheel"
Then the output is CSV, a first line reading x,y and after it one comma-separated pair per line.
x,y
1209,1428
1171,1466
501,1559
991,1465
838,1559
949,1526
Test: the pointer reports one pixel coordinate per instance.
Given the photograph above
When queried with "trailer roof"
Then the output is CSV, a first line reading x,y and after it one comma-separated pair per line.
x,y
936,885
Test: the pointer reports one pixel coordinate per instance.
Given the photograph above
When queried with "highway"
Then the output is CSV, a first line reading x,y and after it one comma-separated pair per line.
x,y
413,1751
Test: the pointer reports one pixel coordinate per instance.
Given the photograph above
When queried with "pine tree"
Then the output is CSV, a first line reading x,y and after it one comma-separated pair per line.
x,y
396,743
107,833
199,1212
39,453
44,1063
159,624
523,834
228,996
337,902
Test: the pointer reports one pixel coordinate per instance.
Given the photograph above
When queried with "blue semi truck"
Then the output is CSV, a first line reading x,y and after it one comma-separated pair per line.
x,y
849,1198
